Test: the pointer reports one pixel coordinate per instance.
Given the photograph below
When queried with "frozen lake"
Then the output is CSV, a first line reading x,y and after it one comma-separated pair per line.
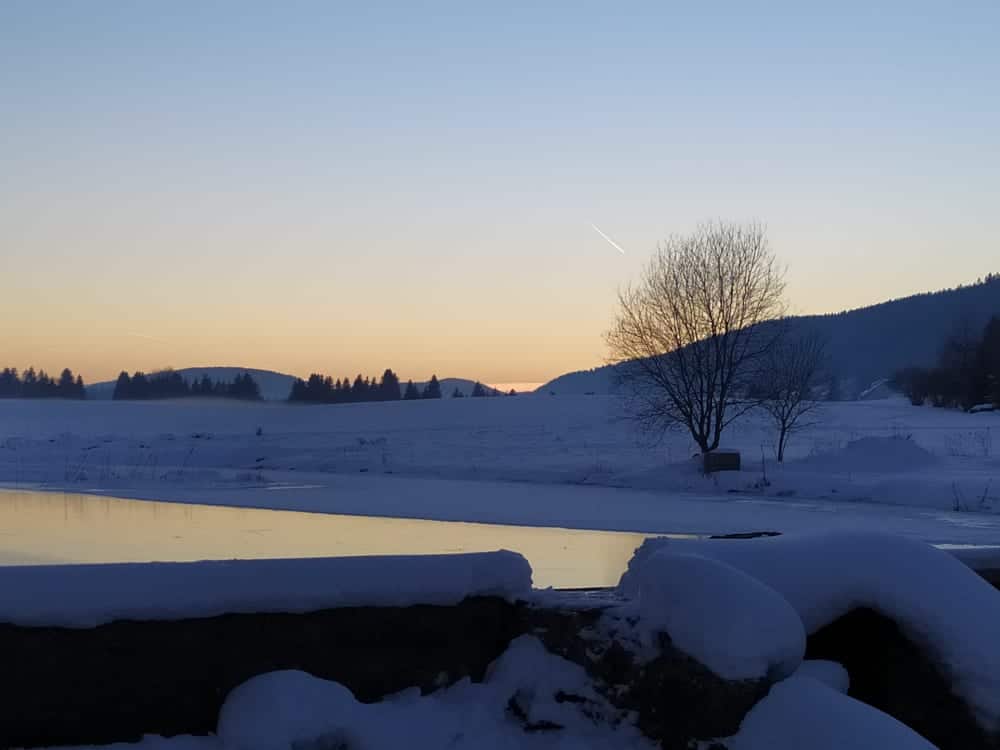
x,y
56,527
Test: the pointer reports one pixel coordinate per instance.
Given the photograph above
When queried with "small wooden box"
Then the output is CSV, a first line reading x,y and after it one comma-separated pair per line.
x,y
720,460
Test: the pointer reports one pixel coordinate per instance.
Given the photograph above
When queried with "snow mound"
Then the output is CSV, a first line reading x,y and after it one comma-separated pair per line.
x,y
830,673
529,699
282,709
870,455
804,713
733,624
81,596
935,598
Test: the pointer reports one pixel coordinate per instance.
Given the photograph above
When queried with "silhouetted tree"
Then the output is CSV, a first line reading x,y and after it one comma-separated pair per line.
x,y
10,383
457,393
388,387
790,374
29,383
243,387
433,388
688,337
140,385
123,387
411,393
67,384
359,391
478,391
299,391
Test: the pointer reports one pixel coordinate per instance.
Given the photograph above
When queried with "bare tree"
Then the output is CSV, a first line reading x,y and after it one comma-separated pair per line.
x,y
791,372
688,336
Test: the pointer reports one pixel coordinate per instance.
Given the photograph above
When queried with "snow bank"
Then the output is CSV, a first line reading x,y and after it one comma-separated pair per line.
x,y
830,673
870,454
804,713
933,596
730,622
529,699
88,595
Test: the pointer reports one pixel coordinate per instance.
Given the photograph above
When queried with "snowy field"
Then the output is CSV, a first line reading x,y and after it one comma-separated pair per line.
x,y
880,466
540,460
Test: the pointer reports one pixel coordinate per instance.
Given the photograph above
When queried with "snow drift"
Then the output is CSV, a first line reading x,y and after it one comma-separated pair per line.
x,y
81,596
733,624
936,599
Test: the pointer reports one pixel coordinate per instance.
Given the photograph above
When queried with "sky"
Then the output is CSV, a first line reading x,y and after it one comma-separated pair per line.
x,y
345,187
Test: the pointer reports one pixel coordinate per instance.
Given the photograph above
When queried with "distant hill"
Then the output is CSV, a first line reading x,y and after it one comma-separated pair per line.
x,y
867,344
448,386
274,386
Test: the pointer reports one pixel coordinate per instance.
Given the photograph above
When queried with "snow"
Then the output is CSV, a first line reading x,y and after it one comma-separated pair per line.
x,y
934,597
801,712
730,622
297,710
82,596
871,454
830,673
167,448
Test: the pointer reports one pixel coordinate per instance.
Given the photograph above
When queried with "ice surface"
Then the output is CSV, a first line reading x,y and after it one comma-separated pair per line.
x,y
88,595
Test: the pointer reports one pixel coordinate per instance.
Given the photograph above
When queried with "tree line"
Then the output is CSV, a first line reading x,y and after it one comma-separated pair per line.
x,y
967,372
323,389
171,384
39,384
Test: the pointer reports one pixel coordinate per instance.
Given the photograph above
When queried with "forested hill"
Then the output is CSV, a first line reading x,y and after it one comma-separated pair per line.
x,y
868,343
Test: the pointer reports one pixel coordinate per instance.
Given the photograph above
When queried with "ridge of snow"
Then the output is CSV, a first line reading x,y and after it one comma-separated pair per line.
x,y
296,710
81,596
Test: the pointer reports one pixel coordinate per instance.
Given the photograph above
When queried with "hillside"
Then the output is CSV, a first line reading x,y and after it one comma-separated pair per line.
x,y
864,344
448,386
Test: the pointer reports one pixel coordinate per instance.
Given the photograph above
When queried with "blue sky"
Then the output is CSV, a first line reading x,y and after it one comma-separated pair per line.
x,y
328,186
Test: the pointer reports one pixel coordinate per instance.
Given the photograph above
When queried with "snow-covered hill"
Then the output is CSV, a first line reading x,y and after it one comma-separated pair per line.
x,y
865,345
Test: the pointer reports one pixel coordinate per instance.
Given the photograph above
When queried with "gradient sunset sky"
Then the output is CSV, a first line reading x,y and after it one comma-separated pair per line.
x,y
342,187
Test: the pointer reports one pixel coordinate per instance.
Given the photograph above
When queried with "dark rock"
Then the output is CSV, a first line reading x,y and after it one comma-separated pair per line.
x,y
676,699
746,535
122,680
894,674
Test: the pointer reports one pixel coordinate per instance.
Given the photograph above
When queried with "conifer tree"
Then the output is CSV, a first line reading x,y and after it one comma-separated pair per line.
x,y
433,388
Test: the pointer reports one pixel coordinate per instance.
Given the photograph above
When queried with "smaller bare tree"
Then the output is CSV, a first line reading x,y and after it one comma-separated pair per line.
x,y
789,376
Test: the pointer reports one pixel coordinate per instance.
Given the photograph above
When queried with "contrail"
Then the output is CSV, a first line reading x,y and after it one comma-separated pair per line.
x,y
607,239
